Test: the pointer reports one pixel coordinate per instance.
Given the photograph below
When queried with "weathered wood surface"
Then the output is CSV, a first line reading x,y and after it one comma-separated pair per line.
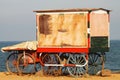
x,y
99,24
66,30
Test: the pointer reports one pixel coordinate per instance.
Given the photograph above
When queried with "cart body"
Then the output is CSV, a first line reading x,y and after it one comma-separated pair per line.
x,y
73,30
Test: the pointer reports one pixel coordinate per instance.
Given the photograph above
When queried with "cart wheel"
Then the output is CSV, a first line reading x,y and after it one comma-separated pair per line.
x,y
26,64
95,62
77,59
11,63
51,70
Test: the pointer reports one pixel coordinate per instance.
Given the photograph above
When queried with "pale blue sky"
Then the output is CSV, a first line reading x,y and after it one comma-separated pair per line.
x,y
17,19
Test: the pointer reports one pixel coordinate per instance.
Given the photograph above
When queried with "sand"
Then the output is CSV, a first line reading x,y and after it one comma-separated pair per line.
x,y
6,76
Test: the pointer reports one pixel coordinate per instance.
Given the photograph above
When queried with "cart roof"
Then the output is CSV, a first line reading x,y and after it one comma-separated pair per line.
x,y
28,45
71,10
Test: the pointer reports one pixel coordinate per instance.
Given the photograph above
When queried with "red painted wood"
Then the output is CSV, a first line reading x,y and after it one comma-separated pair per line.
x,y
62,50
88,42
70,65
88,17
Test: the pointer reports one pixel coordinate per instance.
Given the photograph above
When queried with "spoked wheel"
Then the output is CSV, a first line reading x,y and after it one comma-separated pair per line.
x,y
95,63
77,59
51,70
64,58
26,64
11,63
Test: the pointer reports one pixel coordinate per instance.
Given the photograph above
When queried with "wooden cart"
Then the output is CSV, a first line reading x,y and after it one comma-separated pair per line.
x,y
73,40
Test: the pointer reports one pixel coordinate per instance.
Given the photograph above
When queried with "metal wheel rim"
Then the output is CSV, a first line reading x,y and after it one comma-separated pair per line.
x,y
51,70
77,59
24,65
11,63
94,63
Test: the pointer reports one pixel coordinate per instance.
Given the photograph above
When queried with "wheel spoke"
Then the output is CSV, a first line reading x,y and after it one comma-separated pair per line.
x,y
26,64
51,70
94,63
72,61
95,58
11,63
90,59
82,60
78,60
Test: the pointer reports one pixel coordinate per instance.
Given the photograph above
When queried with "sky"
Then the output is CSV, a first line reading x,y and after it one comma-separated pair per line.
x,y
18,23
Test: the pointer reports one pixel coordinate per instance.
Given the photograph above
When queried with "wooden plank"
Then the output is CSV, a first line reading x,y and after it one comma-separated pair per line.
x,y
71,10
37,25
99,24
60,30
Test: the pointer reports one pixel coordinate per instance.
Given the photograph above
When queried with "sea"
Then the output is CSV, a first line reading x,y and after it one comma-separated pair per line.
x,y
112,57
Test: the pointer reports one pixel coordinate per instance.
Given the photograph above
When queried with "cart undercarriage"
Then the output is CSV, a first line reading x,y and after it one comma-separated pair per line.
x,y
23,60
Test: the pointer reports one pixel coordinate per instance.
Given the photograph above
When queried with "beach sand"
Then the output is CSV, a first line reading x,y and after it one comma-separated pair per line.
x,y
5,76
